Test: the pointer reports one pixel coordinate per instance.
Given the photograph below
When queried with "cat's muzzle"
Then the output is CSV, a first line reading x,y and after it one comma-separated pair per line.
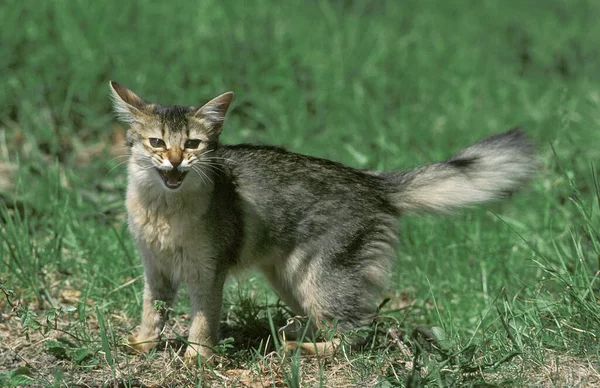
x,y
172,178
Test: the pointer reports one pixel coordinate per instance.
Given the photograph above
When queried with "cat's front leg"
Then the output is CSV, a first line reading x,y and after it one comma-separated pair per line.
x,y
206,298
160,290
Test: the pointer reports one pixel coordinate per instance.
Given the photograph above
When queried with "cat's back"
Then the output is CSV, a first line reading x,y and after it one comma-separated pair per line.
x,y
292,169
273,176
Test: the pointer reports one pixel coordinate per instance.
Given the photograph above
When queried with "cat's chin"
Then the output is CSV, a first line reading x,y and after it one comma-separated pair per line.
x,y
172,178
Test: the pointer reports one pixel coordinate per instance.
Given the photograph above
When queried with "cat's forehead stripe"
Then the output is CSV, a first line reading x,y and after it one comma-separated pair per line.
x,y
172,117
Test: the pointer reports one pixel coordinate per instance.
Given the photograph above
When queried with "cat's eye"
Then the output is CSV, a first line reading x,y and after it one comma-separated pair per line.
x,y
191,144
157,143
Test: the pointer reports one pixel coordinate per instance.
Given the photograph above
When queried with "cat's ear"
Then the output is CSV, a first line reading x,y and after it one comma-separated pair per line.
x,y
213,112
129,107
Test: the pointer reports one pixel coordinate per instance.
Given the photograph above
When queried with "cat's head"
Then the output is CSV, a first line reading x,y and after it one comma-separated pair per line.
x,y
167,142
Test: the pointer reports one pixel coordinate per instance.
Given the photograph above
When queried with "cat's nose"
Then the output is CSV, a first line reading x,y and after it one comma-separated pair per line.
x,y
175,162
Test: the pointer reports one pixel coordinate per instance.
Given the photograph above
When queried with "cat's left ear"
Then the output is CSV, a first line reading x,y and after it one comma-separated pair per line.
x,y
129,107
213,112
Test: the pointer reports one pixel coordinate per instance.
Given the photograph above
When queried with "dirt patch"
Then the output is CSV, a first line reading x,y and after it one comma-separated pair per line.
x,y
560,370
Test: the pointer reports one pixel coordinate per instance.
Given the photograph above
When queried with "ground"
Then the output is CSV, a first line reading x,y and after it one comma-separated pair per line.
x,y
506,294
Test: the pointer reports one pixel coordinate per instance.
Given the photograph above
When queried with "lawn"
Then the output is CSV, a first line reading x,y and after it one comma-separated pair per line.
x,y
505,294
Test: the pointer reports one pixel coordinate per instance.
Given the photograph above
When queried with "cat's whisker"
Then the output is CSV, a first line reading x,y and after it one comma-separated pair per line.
x,y
119,162
219,157
216,160
143,161
203,157
198,170
144,166
204,163
213,167
209,161
203,153
151,166
116,166
119,157
200,175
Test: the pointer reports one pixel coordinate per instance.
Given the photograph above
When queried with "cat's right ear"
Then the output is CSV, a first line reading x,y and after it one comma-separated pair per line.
x,y
128,106
213,112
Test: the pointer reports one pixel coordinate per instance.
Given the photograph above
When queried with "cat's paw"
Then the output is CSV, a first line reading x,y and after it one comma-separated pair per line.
x,y
192,353
141,345
328,348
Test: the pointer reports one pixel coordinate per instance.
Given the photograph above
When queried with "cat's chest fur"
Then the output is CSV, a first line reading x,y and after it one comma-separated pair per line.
x,y
169,225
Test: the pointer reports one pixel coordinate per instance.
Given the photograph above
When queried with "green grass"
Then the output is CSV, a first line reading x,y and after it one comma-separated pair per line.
x,y
510,291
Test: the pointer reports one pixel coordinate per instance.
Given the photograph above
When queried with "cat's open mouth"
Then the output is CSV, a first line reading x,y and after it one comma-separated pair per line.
x,y
173,177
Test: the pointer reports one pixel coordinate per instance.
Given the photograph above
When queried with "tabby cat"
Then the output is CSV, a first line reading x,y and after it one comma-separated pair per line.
x,y
322,233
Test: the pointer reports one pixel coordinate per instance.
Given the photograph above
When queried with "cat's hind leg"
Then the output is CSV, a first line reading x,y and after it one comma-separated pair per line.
x,y
296,331
335,283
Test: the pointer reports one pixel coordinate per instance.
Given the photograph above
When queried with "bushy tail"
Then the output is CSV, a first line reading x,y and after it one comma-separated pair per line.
x,y
490,169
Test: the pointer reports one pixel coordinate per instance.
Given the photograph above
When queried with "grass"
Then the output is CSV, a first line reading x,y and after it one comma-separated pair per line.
x,y
502,295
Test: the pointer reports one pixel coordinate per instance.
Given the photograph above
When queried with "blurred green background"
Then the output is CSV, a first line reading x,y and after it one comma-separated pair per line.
x,y
374,84
385,78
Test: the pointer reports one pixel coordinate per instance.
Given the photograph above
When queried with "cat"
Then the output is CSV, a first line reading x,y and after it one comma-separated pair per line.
x,y
322,233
